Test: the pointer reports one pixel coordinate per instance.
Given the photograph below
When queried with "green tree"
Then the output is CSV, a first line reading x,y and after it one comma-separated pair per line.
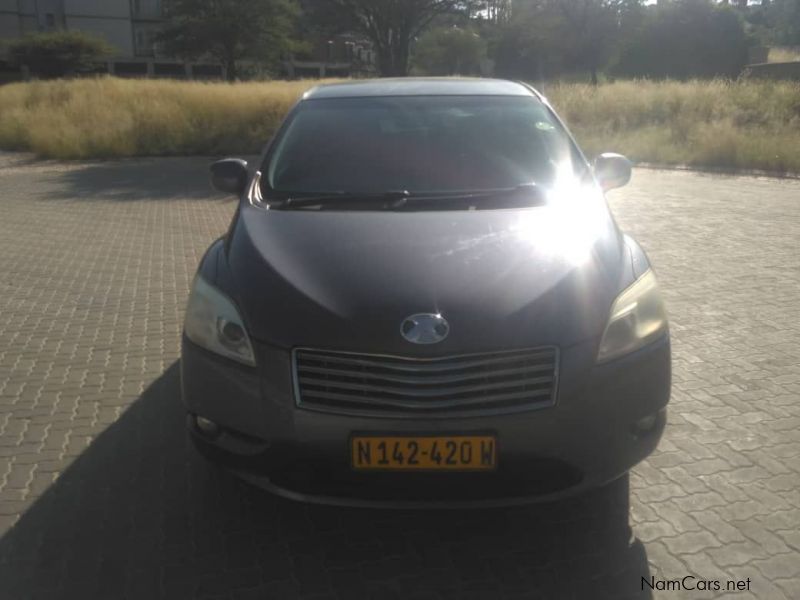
x,y
450,51
543,38
587,31
231,31
772,23
58,53
685,39
783,20
522,46
391,25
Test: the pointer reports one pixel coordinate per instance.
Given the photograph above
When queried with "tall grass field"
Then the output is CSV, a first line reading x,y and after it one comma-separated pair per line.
x,y
737,125
110,117
721,124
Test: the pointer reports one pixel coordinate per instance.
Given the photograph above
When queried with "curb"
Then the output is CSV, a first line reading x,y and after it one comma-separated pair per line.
x,y
719,171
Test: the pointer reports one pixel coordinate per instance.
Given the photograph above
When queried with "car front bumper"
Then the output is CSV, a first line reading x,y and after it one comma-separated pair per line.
x,y
607,418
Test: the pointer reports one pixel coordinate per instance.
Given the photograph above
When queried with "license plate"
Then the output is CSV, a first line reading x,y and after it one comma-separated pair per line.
x,y
424,453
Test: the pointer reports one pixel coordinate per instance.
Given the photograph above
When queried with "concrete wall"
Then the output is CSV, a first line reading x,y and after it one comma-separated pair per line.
x,y
9,26
10,20
49,15
110,19
145,33
8,5
14,5
98,8
146,8
117,32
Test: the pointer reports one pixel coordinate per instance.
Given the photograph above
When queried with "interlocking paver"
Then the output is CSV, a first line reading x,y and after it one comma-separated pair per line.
x,y
96,261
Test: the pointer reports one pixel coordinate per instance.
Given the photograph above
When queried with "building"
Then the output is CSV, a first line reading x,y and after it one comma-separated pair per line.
x,y
343,55
130,26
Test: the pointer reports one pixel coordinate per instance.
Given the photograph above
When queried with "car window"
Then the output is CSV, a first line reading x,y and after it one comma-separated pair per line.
x,y
420,144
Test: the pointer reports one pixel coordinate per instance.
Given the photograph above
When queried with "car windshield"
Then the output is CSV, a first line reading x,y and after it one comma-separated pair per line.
x,y
419,144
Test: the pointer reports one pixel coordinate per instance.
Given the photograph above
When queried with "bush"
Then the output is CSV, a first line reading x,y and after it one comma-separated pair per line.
x,y
58,53
686,39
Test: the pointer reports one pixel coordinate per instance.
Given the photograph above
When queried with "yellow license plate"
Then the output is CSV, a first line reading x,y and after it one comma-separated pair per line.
x,y
424,453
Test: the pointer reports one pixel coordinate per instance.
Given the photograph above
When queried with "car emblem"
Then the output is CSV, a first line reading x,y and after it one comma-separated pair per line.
x,y
425,328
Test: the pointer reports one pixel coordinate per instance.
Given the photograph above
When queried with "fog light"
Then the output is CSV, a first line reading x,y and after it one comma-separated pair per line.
x,y
646,424
206,426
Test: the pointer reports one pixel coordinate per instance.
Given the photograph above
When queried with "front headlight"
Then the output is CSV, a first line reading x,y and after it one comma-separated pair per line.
x,y
638,317
213,322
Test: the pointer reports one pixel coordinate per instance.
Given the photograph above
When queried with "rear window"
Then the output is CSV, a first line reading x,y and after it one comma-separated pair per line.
x,y
434,144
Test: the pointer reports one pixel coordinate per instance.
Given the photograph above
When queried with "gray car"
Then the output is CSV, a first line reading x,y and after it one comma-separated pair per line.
x,y
423,300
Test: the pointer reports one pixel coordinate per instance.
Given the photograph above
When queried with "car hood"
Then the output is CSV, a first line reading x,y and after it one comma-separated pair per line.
x,y
505,278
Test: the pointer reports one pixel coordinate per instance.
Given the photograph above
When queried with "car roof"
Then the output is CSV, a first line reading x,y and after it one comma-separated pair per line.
x,y
419,86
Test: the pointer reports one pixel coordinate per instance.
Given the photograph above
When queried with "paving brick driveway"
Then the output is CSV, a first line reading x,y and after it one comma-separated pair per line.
x,y
101,497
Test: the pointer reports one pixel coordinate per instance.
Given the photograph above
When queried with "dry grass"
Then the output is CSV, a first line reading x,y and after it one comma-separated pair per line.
x,y
738,125
783,54
749,124
108,117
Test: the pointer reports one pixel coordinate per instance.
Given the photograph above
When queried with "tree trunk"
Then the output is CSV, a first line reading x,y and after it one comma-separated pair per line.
x,y
393,59
230,70
401,57
385,63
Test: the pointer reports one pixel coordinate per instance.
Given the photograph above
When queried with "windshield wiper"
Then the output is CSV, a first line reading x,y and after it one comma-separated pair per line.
x,y
395,199
497,193
392,196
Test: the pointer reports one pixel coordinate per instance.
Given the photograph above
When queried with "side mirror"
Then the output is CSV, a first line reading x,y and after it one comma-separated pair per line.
x,y
229,175
612,170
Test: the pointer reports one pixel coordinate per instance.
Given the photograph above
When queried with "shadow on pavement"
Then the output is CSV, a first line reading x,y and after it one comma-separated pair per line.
x,y
135,179
138,515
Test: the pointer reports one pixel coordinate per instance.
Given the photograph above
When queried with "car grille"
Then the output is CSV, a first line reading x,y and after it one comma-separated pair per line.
x,y
367,384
